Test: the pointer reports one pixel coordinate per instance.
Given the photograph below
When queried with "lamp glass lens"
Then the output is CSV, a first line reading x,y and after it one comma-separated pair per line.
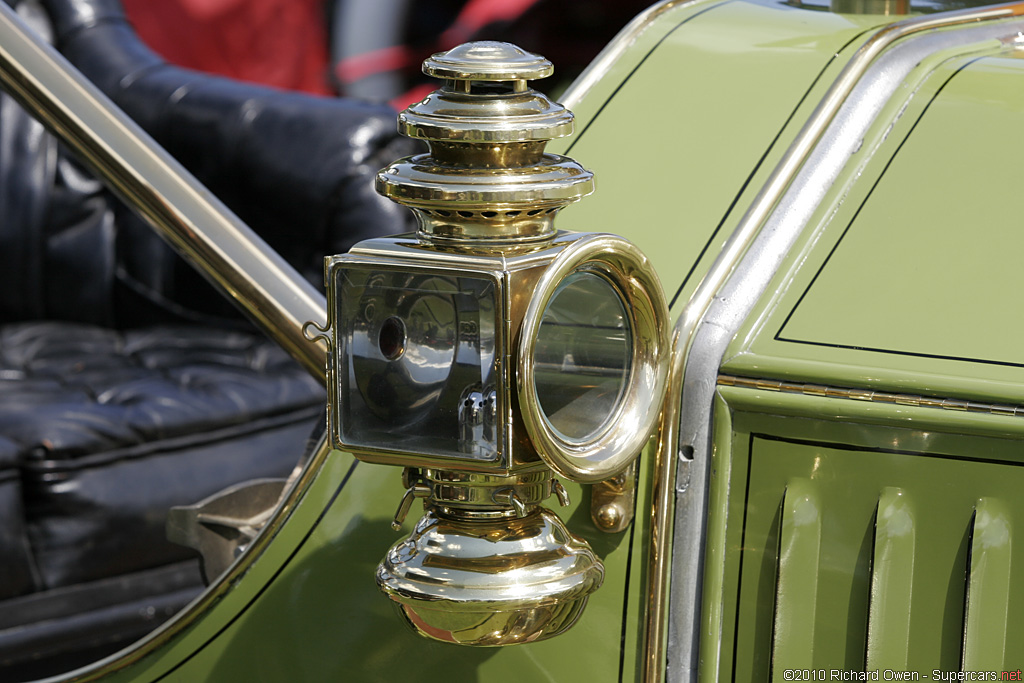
x,y
582,356
417,362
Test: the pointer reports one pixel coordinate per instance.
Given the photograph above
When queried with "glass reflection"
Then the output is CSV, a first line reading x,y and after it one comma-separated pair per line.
x,y
417,362
582,356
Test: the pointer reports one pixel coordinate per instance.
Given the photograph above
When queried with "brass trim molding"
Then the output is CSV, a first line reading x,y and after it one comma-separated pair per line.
x,y
914,400
609,452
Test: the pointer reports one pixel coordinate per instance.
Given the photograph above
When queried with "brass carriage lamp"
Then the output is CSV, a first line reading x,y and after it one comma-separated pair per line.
x,y
488,351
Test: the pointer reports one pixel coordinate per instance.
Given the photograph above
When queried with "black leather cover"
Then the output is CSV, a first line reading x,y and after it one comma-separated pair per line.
x,y
111,411
115,428
47,633
16,565
297,168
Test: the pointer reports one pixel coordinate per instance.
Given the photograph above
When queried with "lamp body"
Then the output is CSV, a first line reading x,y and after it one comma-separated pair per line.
x,y
450,396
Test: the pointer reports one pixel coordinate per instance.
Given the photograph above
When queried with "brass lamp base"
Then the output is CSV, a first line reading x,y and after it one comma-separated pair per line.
x,y
490,582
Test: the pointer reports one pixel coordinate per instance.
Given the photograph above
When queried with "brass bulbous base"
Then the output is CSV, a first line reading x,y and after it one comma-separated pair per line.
x,y
490,582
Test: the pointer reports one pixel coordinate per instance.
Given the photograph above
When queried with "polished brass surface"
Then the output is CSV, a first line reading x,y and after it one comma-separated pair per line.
x,y
200,227
486,565
471,490
414,491
490,582
612,500
442,339
528,278
448,115
488,61
515,273
627,426
486,176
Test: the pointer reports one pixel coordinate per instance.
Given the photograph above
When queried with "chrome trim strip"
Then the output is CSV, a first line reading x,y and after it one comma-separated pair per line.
x,y
187,215
720,304
202,229
614,50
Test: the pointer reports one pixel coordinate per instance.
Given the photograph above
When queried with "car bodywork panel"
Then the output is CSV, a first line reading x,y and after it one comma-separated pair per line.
x,y
864,537
306,603
682,131
866,434
308,609
930,242
682,128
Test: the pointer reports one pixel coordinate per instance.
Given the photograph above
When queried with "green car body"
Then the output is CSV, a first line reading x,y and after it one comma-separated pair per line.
x,y
831,205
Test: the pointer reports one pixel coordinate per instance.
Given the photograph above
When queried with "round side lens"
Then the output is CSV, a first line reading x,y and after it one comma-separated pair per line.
x,y
582,356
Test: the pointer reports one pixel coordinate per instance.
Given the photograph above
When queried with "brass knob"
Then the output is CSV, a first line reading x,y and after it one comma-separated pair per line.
x,y
485,99
488,60
487,177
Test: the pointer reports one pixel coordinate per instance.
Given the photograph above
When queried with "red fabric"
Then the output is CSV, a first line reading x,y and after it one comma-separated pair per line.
x,y
477,14
282,43
366,64
474,16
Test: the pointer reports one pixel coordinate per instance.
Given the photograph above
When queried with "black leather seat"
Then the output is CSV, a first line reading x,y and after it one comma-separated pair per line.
x,y
105,430
126,385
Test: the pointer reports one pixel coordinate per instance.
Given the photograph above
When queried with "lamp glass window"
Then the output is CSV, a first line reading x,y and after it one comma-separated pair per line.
x,y
582,356
417,362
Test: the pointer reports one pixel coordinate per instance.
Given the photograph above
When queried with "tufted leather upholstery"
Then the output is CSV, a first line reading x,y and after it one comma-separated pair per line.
x,y
114,428
101,432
